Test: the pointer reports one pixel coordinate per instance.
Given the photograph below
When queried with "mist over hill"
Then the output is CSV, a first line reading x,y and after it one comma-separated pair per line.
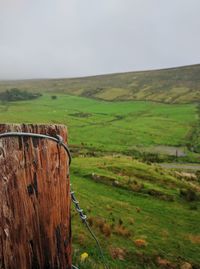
x,y
173,85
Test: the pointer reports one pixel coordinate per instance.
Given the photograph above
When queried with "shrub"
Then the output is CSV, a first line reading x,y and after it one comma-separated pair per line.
x,y
193,207
118,253
151,158
18,95
122,231
81,239
90,221
189,195
140,243
53,97
106,229
198,174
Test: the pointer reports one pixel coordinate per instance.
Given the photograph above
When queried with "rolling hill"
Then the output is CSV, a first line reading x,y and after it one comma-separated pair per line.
x,y
144,214
129,202
174,85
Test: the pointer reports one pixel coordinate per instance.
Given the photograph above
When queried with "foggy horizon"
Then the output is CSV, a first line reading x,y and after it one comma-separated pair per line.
x,y
101,74
70,39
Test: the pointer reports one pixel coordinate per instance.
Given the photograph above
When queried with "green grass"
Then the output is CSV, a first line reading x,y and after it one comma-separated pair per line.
x,y
117,126
175,85
166,226
130,174
115,188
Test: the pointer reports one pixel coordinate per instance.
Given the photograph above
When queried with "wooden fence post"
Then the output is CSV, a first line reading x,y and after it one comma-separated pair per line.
x,y
35,231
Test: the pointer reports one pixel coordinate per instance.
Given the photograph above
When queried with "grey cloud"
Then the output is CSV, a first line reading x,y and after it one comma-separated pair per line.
x,y
65,38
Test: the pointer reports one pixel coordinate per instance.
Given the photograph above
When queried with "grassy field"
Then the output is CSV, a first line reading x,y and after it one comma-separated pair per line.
x,y
138,228
175,85
144,215
118,126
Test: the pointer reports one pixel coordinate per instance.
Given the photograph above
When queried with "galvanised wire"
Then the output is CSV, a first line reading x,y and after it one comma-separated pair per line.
x,y
59,140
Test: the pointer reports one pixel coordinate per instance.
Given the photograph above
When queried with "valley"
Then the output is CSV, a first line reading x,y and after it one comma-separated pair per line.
x,y
135,143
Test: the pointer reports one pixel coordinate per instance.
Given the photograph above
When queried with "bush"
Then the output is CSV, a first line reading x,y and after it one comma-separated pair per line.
x,y
189,195
53,97
18,95
151,157
198,174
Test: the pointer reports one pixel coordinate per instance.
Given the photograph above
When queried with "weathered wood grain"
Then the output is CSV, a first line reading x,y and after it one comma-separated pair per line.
x,y
35,231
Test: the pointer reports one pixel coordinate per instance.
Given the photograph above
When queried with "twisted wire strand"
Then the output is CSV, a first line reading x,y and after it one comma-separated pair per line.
x,y
58,139
84,220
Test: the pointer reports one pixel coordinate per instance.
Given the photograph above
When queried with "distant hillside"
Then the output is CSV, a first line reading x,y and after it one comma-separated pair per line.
x,y
174,85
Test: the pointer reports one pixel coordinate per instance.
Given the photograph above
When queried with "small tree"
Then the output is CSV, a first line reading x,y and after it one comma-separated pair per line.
x,y
53,97
17,95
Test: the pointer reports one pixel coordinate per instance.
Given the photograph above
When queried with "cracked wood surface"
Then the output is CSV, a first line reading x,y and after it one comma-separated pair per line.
x,y
35,229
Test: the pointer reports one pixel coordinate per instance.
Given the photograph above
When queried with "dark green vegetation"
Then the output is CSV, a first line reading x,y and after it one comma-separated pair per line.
x,y
17,95
138,213
146,130
175,85
145,214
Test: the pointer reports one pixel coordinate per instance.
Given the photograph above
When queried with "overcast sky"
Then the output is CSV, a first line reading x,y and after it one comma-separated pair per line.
x,y
67,38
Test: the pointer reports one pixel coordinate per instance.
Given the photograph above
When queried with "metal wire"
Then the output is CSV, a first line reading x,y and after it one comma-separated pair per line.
x,y
84,220
74,267
59,140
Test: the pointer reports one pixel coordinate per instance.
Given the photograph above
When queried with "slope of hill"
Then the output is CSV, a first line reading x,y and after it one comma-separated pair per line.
x,y
139,213
123,127
174,85
144,215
